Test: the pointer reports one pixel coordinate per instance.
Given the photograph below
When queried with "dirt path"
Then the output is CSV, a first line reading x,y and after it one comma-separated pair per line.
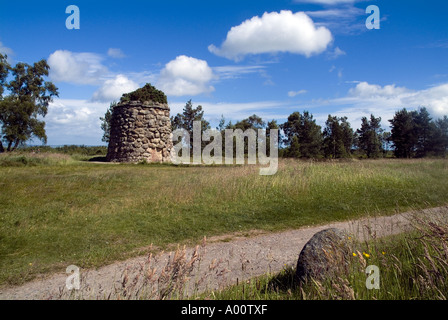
x,y
222,263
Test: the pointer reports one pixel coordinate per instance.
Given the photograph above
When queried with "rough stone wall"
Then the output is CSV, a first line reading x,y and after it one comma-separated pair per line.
x,y
140,131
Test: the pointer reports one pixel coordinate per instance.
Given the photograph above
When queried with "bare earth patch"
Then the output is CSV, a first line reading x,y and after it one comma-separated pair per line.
x,y
216,263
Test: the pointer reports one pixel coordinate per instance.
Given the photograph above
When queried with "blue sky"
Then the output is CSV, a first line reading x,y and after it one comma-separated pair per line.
x,y
234,58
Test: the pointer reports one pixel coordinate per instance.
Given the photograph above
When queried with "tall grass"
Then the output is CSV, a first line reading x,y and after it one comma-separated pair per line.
x,y
21,159
413,266
67,149
144,281
87,214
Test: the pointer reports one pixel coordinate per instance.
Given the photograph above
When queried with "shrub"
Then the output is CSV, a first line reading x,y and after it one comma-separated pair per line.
x,y
147,93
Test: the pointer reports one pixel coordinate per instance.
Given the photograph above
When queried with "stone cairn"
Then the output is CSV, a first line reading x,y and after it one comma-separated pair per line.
x,y
140,131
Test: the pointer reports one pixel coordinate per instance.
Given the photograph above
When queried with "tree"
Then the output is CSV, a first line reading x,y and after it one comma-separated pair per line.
x,y
270,126
369,136
105,122
4,70
253,122
338,137
386,142
310,137
412,133
307,133
185,121
415,134
294,149
423,130
291,127
222,124
29,97
440,137
348,138
403,134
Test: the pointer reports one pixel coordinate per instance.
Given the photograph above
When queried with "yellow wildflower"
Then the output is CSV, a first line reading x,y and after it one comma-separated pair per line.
x,y
366,255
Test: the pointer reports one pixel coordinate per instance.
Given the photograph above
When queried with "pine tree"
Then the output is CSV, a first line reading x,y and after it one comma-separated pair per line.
x,y
440,137
105,122
338,137
423,131
185,121
369,136
272,125
253,122
307,132
294,149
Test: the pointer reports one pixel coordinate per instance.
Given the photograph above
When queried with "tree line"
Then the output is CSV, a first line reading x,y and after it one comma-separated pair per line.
x,y
413,134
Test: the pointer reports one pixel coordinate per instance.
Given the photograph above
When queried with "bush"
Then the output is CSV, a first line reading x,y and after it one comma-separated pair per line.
x,y
147,93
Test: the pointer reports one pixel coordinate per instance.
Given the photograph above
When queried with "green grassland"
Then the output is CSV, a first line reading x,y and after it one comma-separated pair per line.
x,y
56,211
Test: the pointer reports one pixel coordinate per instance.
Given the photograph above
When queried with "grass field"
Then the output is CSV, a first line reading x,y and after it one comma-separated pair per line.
x,y
58,212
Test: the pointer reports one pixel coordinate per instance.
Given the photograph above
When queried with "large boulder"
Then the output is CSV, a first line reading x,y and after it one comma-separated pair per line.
x,y
327,253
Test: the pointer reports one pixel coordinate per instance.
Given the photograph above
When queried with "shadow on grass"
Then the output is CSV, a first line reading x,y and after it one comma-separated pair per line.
x,y
165,164
98,159
283,282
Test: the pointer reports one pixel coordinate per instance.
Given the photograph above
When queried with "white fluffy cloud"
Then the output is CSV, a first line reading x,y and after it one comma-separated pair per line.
x,y
74,122
365,90
112,89
79,68
365,99
186,76
435,98
274,32
87,68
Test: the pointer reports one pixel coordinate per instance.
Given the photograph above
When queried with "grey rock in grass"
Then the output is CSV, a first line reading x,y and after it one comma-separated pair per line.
x,y
326,254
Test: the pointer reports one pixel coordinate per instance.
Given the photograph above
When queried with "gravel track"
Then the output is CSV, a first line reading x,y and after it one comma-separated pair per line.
x,y
234,257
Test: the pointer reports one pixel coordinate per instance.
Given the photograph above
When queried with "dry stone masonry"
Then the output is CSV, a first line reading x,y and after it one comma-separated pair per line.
x,y
140,132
